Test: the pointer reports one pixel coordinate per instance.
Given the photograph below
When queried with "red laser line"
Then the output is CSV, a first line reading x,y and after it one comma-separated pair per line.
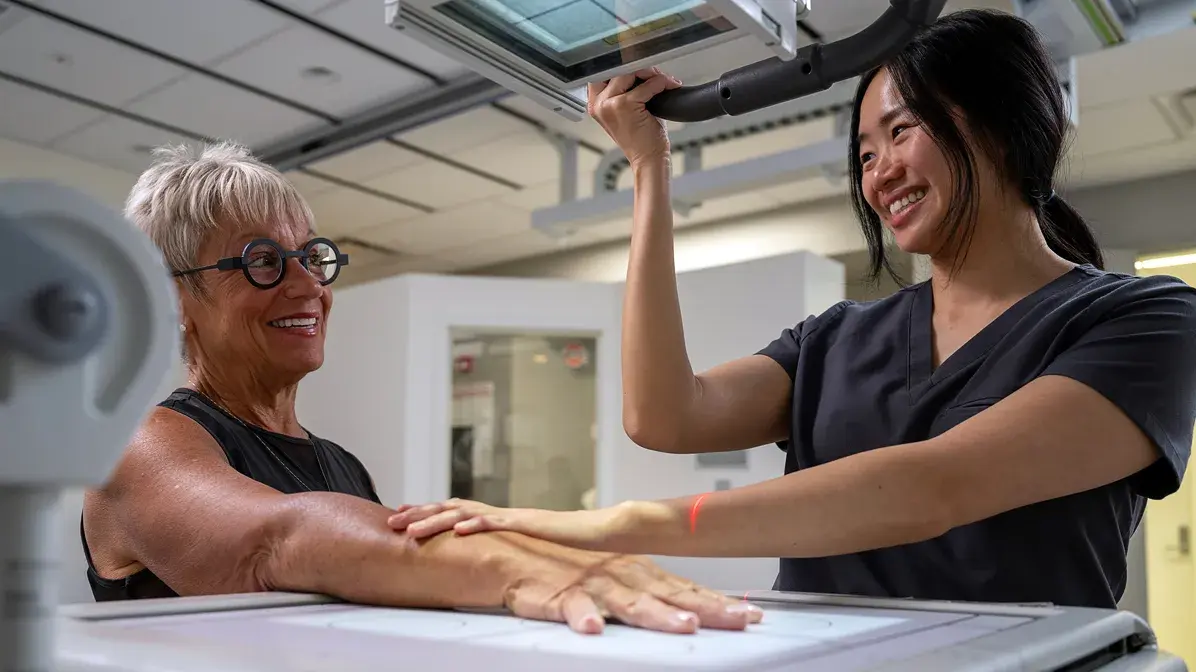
x,y
693,513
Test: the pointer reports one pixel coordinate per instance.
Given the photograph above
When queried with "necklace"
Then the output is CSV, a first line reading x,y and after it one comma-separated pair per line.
x,y
269,449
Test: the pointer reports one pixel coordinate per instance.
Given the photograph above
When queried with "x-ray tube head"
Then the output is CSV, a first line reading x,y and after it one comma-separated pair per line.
x,y
549,50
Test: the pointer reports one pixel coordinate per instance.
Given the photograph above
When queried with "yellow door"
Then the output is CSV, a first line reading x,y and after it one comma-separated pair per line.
x,y
1171,572
1170,563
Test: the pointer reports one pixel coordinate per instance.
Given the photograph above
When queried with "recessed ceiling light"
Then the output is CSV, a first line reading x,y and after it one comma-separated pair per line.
x,y
319,73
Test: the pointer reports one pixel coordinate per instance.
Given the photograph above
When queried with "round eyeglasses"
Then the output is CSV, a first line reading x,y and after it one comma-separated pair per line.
x,y
264,262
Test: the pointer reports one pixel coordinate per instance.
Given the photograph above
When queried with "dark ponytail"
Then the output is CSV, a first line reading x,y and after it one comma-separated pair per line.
x,y
1067,233
990,71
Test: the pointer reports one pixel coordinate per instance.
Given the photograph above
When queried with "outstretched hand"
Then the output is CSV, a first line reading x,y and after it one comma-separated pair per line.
x,y
581,529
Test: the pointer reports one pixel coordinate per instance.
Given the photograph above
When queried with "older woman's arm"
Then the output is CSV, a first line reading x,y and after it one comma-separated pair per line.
x,y
175,506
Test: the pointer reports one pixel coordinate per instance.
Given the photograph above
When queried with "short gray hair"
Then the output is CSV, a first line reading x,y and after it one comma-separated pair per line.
x,y
190,191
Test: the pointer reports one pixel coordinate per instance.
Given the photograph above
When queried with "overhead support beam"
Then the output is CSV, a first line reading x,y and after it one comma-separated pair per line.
x,y
456,97
697,186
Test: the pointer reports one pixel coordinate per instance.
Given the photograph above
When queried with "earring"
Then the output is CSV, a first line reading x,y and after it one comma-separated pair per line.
x,y
183,328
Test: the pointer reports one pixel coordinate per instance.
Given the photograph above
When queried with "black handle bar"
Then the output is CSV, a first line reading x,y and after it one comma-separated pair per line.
x,y
814,68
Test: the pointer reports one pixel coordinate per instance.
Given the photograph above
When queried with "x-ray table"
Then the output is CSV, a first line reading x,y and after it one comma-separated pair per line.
x,y
813,633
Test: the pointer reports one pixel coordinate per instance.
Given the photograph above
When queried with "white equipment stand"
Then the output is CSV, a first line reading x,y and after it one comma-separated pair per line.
x,y
87,336
812,633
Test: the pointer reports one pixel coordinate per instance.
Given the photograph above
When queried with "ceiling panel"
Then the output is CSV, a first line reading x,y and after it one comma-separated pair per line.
x,y
448,229
534,197
525,158
364,20
209,107
1120,126
309,6
370,161
30,116
527,243
587,129
464,131
309,186
322,72
437,185
117,142
71,60
343,211
197,32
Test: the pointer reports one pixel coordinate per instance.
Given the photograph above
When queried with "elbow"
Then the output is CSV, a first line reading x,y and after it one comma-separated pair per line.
x,y
271,557
653,435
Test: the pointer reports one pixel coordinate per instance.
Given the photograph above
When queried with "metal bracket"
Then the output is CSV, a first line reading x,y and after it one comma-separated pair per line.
x,y
49,308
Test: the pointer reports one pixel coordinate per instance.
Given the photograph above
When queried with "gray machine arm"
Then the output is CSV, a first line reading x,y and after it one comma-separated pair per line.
x,y
50,309
815,68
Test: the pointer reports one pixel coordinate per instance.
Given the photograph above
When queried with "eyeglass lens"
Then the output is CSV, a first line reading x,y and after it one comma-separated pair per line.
x,y
265,265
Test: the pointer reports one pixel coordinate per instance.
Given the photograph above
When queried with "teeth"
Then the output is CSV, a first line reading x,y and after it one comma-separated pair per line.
x,y
904,203
294,322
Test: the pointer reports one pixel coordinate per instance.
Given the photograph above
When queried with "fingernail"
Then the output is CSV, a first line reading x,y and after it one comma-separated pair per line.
x,y
685,618
752,611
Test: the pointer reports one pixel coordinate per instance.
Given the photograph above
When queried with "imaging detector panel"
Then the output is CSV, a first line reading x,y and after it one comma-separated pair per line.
x,y
817,633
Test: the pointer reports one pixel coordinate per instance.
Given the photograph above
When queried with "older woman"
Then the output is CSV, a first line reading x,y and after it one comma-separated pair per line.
x,y
222,490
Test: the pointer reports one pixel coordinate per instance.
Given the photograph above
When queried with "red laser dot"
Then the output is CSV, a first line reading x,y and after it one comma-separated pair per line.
x,y
693,514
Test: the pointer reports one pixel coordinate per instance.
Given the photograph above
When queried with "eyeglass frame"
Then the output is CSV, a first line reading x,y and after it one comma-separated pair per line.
x,y
241,263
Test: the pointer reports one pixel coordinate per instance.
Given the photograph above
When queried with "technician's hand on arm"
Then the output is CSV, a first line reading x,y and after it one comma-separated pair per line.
x,y
175,506
738,405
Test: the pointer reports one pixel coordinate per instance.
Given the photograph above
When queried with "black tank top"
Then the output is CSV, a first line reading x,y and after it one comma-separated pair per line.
x,y
285,463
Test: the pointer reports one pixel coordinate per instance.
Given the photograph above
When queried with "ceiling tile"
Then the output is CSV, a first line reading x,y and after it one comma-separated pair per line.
x,y
197,32
33,117
372,160
464,131
363,20
520,245
1121,126
533,197
343,211
437,185
586,129
211,108
310,6
353,79
309,186
525,158
117,142
448,229
66,58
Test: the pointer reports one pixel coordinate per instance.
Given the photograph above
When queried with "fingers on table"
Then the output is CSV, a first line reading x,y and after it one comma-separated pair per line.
x,y
714,609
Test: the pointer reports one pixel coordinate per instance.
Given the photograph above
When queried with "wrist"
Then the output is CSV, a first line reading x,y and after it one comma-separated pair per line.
x,y
652,164
638,526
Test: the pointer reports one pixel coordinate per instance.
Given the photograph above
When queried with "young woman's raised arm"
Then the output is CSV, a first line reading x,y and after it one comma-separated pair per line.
x,y
737,405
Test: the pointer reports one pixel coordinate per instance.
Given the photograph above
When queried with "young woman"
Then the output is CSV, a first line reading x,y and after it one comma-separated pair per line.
x,y
990,435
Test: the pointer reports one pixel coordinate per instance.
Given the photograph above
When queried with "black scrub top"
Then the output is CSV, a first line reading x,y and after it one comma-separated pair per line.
x,y
863,378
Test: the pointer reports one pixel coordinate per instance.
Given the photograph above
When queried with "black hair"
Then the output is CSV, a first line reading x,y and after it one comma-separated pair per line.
x,y
995,71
